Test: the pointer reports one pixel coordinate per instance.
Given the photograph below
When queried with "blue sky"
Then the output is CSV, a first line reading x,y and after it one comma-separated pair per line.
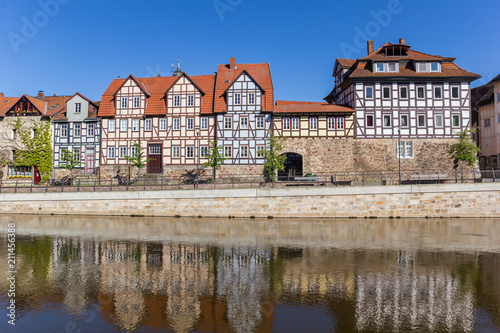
x,y
64,46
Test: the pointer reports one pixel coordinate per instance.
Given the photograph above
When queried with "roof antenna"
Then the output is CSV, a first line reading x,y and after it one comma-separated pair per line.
x,y
178,71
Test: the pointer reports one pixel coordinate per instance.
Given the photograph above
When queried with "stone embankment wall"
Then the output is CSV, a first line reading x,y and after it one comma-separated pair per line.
x,y
444,200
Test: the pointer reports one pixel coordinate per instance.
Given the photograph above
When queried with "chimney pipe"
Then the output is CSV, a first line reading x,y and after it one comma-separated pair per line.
x,y
402,41
370,47
40,94
232,63
1,94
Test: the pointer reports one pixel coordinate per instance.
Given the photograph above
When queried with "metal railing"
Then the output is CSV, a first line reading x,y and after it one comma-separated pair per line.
x,y
161,183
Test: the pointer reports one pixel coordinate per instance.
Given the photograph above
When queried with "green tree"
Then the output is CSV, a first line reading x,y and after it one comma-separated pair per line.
x,y
37,146
70,160
274,158
465,150
215,156
137,159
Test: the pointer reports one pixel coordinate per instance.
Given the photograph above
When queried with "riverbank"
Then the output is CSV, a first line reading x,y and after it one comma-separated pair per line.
x,y
440,200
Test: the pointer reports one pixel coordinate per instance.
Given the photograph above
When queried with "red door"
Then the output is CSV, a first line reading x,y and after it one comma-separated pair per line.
x,y
37,178
155,165
89,161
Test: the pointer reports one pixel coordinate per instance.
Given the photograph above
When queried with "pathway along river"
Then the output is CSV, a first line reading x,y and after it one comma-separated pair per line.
x,y
112,274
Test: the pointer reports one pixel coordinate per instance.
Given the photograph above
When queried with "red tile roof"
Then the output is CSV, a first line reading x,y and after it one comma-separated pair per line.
x,y
60,112
260,73
309,107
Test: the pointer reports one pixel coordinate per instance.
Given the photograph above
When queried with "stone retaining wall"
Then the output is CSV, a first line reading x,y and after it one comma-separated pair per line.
x,y
446,200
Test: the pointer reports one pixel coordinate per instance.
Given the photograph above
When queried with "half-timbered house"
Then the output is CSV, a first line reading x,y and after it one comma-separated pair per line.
x,y
77,130
402,95
243,107
171,118
315,136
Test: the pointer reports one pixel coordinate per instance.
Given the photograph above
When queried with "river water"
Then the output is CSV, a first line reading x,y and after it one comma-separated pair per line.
x,y
136,274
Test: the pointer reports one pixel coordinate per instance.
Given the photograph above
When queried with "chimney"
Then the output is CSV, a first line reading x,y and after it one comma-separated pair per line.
x,y
1,94
402,41
369,45
40,94
232,63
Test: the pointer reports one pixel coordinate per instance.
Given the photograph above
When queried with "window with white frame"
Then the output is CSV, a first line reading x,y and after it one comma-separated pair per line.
x,y
244,123
369,92
135,125
237,98
381,67
77,130
438,120
487,122
204,123
163,124
386,92
190,100
370,120
251,98
190,124
313,123
204,151
438,92
423,67
454,92
340,123
111,152
260,150
123,125
295,123
190,152
148,124
90,130
176,152
455,120
286,123
331,123
124,102
387,120
177,100
228,151
78,107
421,120
420,92
404,120
434,67
111,125
77,154
122,152
243,151
64,130
405,149
228,122
134,151
177,124
154,149
260,122
403,92
137,102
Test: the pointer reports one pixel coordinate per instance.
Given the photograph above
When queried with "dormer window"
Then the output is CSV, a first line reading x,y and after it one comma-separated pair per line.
x,y
426,67
386,67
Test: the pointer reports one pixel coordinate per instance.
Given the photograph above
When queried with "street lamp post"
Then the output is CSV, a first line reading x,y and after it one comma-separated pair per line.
x,y
399,153
197,157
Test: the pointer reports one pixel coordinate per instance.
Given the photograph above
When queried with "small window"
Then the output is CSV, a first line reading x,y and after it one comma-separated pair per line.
x,y
340,123
421,67
122,152
295,123
487,122
260,122
434,67
78,107
454,92
124,102
387,120
498,97
438,120
163,124
228,123
111,152
190,124
204,151
331,123
64,130
392,67
404,120
421,120
123,125
420,92
487,142
14,133
77,130
148,124
190,152
134,151
243,151
386,92
379,66
437,92
251,98
403,92
77,154
286,123
154,149
237,99
498,118
176,152
369,121
228,151
369,92
177,124
137,102
313,123
90,130
135,125
244,123
204,123
455,120
190,100
177,100
405,149
111,125
260,151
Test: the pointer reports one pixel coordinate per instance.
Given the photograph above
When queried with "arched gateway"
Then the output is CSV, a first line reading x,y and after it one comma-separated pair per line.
x,y
293,167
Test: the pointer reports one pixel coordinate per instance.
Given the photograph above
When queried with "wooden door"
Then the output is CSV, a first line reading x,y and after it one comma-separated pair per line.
x,y
155,154
89,161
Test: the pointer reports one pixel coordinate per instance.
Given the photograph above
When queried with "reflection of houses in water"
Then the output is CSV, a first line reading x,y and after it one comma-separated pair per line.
x,y
242,281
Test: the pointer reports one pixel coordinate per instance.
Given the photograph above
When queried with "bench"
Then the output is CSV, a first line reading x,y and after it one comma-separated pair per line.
x,y
428,179
308,178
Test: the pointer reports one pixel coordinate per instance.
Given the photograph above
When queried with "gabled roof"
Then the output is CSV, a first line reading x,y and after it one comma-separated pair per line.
x,y
482,95
496,79
61,112
283,107
260,73
9,102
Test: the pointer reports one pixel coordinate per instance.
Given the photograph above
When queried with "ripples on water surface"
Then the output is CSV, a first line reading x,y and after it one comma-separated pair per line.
x,y
88,274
